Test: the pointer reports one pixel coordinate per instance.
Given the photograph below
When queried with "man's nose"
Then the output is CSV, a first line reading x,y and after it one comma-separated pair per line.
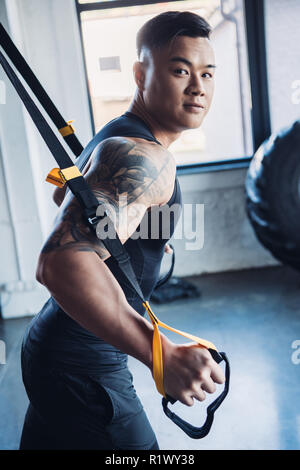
x,y
196,87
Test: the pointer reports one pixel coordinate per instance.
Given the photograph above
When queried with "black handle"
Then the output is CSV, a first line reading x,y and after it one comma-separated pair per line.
x,y
164,279
193,431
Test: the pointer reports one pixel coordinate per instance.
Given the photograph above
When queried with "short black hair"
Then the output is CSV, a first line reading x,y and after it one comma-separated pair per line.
x,y
161,29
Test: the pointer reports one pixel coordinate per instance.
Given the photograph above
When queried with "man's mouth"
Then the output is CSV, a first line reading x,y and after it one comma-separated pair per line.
x,y
194,107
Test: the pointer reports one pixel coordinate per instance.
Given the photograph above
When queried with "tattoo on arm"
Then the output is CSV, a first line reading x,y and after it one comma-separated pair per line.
x,y
122,172
125,168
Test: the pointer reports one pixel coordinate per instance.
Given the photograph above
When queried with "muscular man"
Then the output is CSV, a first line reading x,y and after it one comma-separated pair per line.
x,y
74,355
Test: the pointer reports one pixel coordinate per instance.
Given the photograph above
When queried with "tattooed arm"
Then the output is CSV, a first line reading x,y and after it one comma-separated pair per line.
x,y
127,176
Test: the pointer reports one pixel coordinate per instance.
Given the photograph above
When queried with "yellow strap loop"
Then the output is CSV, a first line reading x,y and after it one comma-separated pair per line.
x,y
157,349
54,177
67,130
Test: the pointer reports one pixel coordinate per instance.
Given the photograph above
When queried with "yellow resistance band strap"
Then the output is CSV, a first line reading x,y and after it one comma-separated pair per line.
x,y
59,177
67,130
157,349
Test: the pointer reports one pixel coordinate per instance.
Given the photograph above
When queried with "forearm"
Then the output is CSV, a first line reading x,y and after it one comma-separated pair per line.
x,y
88,292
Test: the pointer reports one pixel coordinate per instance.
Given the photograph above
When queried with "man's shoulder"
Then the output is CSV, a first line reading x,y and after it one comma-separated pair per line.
x,y
135,166
118,150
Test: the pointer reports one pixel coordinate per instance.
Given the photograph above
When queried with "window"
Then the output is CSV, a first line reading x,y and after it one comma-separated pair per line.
x,y
111,64
108,34
283,59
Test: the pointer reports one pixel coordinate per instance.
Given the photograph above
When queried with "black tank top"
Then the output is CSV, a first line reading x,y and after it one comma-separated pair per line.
x,y
55,334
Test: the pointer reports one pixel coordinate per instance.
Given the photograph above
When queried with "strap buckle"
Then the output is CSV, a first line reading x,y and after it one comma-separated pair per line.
x,y
59,177
94,220
67,130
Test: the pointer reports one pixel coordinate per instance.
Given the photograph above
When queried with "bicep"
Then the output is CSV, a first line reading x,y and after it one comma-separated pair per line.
x,y
78,276
84,287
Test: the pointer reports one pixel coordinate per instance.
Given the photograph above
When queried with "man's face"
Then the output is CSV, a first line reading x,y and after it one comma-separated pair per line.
x,y
179,83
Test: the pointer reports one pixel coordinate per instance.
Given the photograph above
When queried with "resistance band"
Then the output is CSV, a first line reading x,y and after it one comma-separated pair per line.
x,y
70,174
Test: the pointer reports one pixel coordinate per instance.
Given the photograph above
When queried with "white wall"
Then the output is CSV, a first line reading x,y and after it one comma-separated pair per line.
x,y
20,225
47,33
228,241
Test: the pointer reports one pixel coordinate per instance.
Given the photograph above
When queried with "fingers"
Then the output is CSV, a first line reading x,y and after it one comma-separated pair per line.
x,y
207,383
187,400
198,392
217,374
199,396
168,249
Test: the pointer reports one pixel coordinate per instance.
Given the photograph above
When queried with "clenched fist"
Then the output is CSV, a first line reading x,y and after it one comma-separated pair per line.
x,y
189,371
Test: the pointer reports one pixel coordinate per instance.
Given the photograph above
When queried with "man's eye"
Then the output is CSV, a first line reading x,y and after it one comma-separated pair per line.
x,y
209,74
181,71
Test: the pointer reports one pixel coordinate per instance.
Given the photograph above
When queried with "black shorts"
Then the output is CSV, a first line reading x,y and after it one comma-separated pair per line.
x,y
83,410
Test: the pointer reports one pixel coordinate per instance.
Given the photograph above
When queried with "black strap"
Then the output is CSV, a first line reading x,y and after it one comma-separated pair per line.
x,y
87,151
36,87
117,250
167,276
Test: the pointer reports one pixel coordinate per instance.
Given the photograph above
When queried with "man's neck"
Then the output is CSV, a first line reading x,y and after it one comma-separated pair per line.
x,y
164,136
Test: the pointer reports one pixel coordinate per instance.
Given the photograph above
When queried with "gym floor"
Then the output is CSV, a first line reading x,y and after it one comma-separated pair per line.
x,y
253,315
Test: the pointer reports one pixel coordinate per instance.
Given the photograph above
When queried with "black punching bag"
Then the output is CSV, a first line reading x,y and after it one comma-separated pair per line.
x,y
273,195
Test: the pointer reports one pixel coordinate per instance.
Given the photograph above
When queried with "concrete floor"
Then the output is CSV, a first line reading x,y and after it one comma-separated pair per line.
x,y
252,315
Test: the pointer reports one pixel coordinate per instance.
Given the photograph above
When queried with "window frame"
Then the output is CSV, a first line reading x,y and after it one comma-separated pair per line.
x,y
257,64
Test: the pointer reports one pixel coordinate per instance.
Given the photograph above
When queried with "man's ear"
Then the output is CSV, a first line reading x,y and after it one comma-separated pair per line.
x,y
139,74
